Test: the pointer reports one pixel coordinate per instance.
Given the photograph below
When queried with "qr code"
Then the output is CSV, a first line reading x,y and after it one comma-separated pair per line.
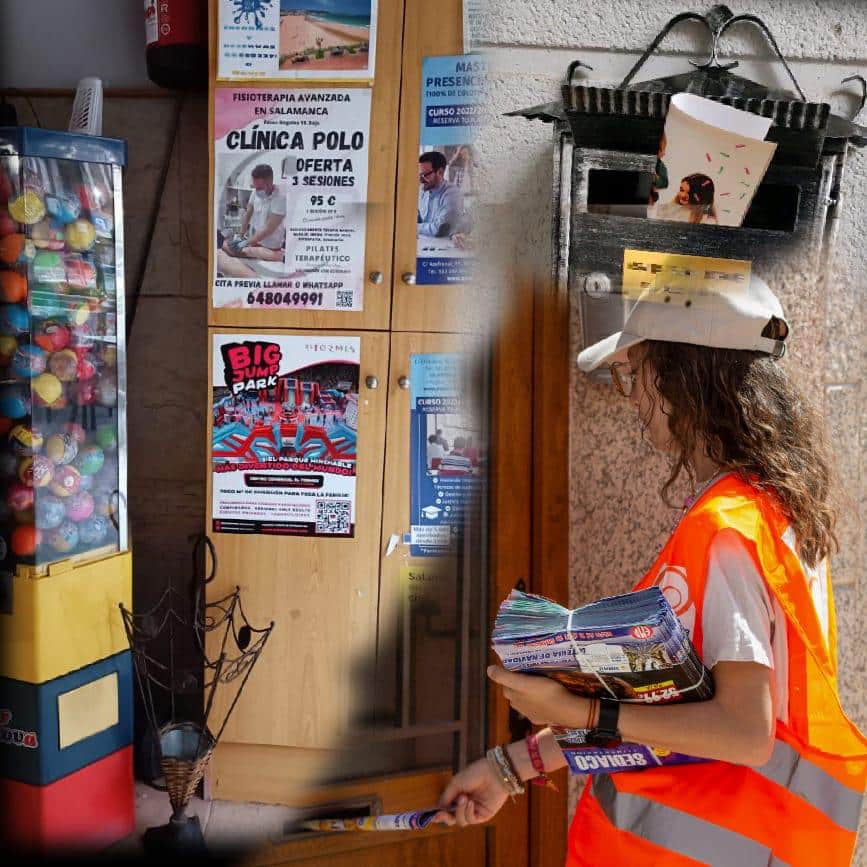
x,y
345,298
334,517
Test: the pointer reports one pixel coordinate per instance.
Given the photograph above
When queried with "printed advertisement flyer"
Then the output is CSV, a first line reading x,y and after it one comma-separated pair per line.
x,y
290,193
446,457
452,90
290,39
285,430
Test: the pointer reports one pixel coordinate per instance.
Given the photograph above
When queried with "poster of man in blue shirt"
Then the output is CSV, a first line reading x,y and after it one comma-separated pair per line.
x,y
440,202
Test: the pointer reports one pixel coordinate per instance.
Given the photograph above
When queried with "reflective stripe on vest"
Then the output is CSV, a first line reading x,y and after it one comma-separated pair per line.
x,y
817,787
678,831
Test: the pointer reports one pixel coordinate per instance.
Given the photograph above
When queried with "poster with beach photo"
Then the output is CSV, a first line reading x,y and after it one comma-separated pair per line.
x,y
290,197
291,39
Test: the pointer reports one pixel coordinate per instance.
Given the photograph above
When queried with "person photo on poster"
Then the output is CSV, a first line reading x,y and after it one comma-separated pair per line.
x,y
284,434
290,197
297,39
451,95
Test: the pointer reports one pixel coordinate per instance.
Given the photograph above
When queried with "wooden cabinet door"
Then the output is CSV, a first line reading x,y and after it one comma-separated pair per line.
x,y
428,31
322,595
385,103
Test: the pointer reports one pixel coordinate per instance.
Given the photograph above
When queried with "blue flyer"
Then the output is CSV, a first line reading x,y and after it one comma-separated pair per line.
x,y
452,91
446,460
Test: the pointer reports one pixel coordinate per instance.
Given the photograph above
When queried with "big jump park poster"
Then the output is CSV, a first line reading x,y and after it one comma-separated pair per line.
x,y
284,434
290,194
284,39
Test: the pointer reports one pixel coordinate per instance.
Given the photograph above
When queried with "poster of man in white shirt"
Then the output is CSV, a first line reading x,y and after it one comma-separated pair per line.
x,y
262,233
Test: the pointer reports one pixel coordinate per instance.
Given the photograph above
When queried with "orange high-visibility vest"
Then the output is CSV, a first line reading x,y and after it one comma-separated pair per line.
x,y
802,807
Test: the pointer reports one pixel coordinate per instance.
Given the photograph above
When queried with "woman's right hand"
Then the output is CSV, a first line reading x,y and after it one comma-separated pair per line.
x,y
474,795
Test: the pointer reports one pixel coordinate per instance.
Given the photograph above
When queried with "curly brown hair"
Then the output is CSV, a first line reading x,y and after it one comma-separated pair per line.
x,y
752,420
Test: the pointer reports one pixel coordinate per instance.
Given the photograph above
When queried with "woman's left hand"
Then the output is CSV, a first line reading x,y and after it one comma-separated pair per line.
x,y
542,700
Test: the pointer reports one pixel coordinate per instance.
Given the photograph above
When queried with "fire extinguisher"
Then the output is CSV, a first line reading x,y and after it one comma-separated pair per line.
x,y
177,43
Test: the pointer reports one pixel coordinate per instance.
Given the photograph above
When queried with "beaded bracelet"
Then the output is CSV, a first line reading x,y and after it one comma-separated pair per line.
x,y
502,766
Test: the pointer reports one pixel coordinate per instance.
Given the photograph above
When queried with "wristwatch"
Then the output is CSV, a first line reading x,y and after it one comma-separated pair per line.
x,y
606,734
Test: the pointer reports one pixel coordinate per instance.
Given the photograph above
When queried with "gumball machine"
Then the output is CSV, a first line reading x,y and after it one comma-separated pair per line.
x,y
65,672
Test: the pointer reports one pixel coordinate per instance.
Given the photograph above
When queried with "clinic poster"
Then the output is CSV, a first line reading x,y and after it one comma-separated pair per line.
x,y
290,193
284,434
446,457
291,39
452,91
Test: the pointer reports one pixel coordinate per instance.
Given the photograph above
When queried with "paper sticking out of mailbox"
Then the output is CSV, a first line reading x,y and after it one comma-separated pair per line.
x,y
417,820
710,162
664,277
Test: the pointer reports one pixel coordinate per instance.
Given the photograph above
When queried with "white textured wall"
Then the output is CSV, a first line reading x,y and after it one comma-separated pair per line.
x,y
529,45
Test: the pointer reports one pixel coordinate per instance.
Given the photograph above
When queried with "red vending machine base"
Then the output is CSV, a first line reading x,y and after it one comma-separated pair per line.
x,y
86,810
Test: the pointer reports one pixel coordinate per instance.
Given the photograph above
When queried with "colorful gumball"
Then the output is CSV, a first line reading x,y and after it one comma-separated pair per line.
x,y
93,530
19,497
106,392
64,209
62,448
80,235
12,248
14,319
8,347
47,235
76,431
25,440
37,471
80,274
48,267
28,208
66,481
6,188
78,314
13,287
48,388
63,538
29,361
50,512
53,337
79,506
83,393
14,402
8,226
106,436
87,483
25,540
90,460
64,365
86,369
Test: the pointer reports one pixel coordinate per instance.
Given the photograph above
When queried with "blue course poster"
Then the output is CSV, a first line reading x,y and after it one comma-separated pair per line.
x,y
446,460
452,89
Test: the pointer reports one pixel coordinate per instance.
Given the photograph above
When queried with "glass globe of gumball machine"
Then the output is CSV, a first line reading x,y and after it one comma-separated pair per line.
x,y
64,558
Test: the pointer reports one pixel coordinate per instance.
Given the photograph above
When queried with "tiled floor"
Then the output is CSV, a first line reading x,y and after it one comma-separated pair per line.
x,y
226,824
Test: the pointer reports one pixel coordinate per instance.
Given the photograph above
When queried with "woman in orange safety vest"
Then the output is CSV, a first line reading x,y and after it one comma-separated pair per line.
x,y
746,571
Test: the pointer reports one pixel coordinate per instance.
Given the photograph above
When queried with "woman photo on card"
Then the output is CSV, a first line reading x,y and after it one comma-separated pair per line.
x,y
746,570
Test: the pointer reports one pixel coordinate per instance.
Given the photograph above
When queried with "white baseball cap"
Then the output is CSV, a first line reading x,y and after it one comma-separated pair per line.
x,y
730,318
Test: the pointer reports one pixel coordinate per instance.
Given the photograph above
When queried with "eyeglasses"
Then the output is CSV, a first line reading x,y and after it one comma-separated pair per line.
x,y
423,176
623,377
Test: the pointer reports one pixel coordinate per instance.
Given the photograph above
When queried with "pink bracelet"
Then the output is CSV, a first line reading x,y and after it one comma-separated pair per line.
x,y
536,761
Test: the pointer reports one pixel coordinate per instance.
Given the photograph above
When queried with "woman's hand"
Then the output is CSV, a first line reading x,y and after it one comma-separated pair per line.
x,y
474,795
542,700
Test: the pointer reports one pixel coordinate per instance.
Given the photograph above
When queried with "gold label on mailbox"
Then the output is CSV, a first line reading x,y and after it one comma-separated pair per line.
x,y
659,276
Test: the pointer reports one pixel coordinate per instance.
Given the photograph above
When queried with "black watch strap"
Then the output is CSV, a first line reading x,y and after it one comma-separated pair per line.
x,y
606,733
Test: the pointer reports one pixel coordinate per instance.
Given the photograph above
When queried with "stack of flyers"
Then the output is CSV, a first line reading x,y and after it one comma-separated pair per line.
x,y
631,648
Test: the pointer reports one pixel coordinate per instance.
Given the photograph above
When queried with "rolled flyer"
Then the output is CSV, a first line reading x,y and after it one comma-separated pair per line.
x,y
416,820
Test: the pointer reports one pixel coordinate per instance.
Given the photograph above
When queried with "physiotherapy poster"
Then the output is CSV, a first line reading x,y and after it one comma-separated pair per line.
x,y
291,39
290,194
452,91
446,454
284,434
